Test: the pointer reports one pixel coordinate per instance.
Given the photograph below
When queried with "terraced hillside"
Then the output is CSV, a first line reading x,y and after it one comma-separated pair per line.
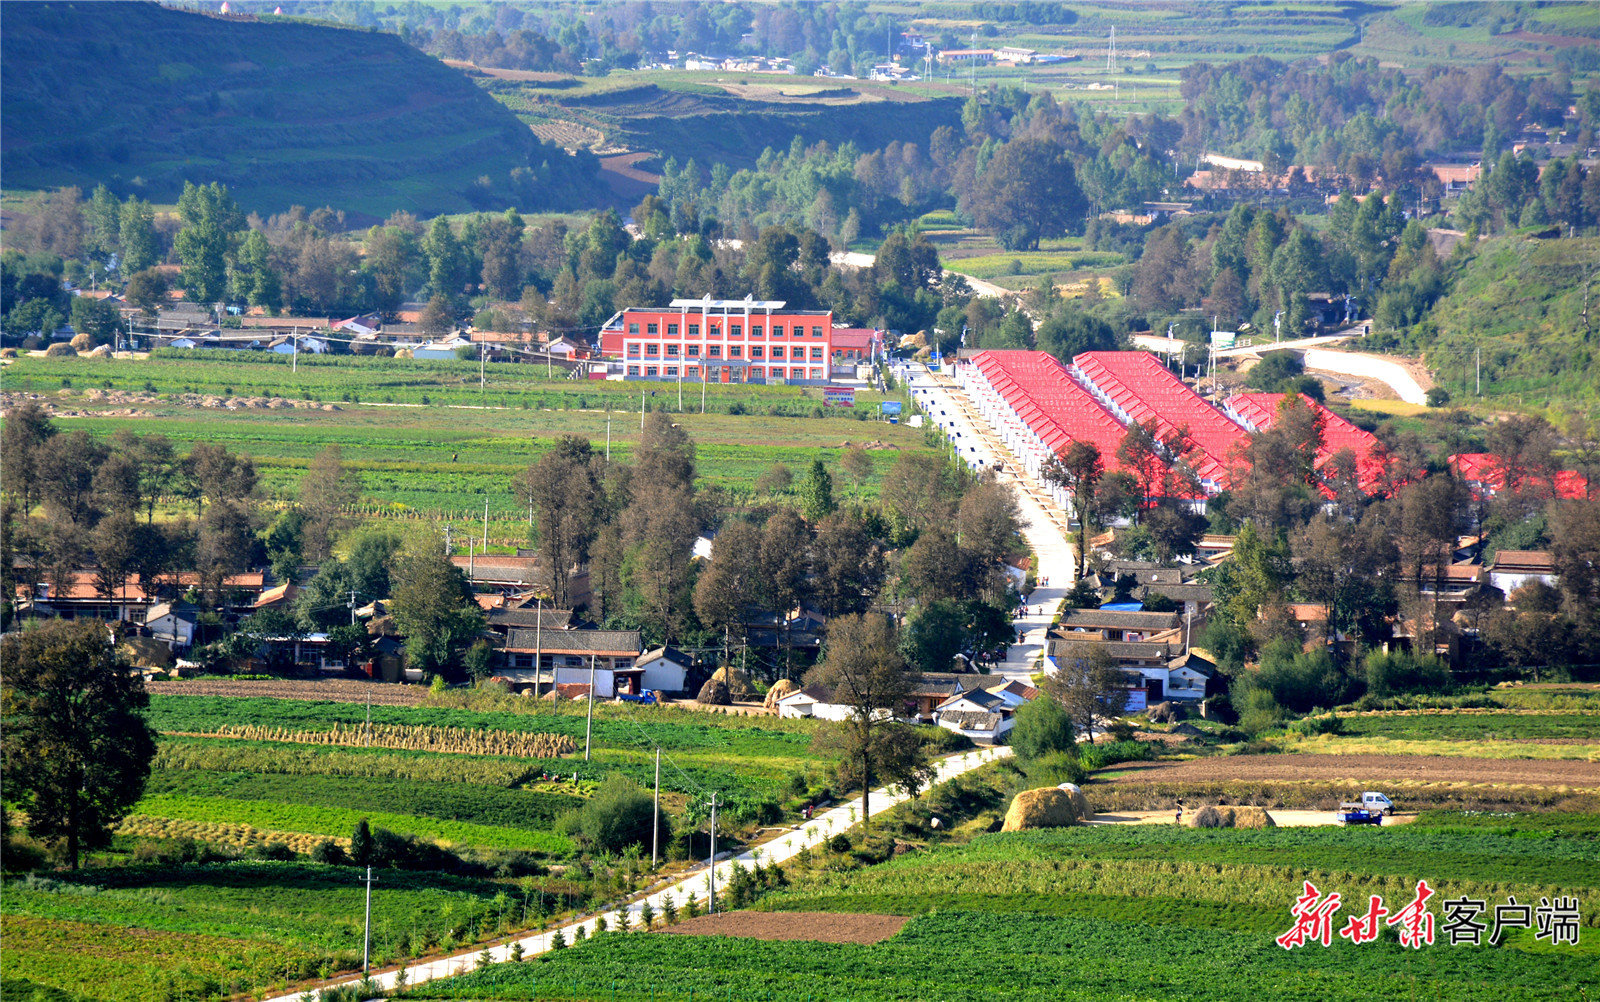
x,y
282,112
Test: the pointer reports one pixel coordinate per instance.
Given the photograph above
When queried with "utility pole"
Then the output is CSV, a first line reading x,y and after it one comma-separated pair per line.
x,y
703,381
485,546
711,889
655,818
641,412
366,935
294,351
352,607
483,352
1477,354
538,644
608,435
588,724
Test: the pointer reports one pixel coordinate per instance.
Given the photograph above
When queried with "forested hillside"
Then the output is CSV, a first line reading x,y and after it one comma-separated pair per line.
x,y
142,98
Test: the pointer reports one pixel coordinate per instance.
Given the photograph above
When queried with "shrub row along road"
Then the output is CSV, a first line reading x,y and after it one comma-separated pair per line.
x,y
1043,524
777,850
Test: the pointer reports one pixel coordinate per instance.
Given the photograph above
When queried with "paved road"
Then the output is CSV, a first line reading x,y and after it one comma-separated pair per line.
x,y
1043,525
784,846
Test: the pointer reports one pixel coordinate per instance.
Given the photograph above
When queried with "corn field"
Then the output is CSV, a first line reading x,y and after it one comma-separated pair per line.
x,y
409,737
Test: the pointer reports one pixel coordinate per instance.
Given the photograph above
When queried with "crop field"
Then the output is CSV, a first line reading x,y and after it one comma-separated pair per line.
x,y
439,459
747,763
1151,913
1369,769
218,928
146,933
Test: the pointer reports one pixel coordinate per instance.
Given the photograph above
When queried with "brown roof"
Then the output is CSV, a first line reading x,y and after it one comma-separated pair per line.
x,y
83,586
610,643
1525,560
1114,619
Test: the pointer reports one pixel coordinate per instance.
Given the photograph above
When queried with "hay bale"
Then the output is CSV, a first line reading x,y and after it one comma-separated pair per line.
x,y
1252,817
61,350
1189,731
781,688
1046,808
714,693
737,681
1209,817
1079,802
1229,817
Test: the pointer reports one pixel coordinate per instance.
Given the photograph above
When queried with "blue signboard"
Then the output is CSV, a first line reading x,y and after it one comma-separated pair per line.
x,y
891,406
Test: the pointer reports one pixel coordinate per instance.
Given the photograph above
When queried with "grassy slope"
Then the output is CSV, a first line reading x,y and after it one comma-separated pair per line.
x,y
1522,301
281,112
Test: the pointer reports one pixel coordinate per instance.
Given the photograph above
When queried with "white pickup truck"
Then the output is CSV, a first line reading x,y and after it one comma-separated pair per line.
x,y
1377,803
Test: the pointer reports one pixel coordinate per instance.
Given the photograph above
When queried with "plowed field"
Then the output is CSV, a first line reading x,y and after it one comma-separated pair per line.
x,y
332,690
1362,769
817,927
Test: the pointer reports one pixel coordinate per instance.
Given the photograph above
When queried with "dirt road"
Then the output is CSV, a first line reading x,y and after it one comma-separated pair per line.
x,y
1284,819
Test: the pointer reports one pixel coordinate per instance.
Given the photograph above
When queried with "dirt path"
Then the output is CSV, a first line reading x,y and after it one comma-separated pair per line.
x,y
1284,819
1368,772
816,927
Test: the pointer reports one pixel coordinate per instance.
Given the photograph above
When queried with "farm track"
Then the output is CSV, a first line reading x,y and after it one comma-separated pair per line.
x,y
1366,769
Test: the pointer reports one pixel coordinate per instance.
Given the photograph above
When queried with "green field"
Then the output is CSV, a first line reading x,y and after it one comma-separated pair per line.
x,y
210,927
1145,913
141,933
448,457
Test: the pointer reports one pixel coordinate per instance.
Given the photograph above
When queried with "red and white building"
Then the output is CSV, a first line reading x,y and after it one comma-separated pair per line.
x,y
720,341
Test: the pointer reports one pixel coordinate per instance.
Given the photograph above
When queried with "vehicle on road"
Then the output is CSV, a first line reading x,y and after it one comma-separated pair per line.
x,y
1377,803
1356,814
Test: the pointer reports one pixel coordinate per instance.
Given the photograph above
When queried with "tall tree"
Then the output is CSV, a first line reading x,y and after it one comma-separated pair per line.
x,y
864,669
211,220
76,744
846,565
816,493
433,606
1078,472
563,491
1089,686
326,491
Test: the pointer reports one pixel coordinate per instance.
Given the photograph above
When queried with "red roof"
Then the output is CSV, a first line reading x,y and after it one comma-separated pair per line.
x,y
1046,398
853,337
1259,411
1139,386
1485,473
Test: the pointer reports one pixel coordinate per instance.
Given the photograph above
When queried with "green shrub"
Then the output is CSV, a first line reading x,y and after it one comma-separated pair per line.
x,y
1099,756
619,815
1042,727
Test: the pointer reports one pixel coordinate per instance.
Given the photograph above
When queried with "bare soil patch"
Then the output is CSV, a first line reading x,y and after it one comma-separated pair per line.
x,y
1366,769
817,927
329,690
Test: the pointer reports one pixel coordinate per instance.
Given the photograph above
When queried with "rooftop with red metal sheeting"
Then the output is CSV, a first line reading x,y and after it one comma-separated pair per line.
x,y
1054,406
1260,411
1141,386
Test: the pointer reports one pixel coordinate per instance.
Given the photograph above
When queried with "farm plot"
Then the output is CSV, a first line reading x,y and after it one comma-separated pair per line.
x,y
1152,913
437,461
141,934
816,927
334,690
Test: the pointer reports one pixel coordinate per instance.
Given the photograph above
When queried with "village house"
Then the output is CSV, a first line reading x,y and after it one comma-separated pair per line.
x,y
1514,568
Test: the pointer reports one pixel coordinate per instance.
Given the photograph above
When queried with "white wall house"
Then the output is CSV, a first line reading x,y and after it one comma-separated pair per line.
x,y
173,622
812,701
665,669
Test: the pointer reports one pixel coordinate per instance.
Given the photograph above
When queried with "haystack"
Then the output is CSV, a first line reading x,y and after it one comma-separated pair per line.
x,y
1079,802
1229,817
1166,713
714,693
1046,808
61,350
737,681
781,688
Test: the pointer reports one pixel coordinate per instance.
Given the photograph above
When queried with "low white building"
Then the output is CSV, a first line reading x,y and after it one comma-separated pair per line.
x,y
1514,568
666,669
980,726
173,622
813,701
